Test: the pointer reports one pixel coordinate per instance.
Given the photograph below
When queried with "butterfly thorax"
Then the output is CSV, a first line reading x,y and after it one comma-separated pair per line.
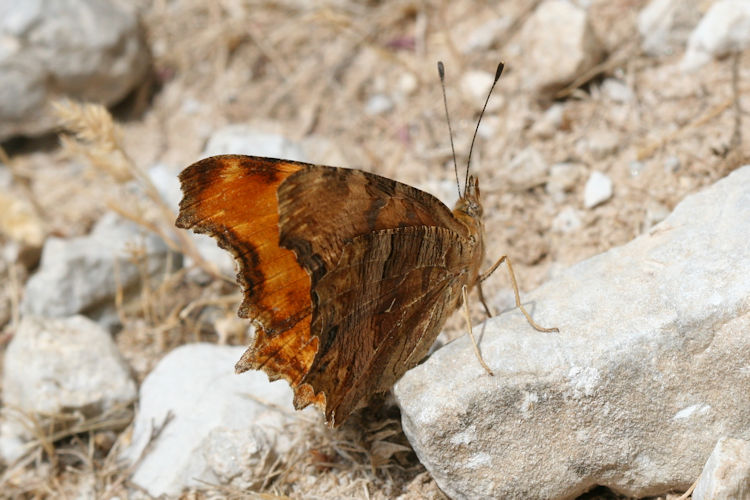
x,y
468,211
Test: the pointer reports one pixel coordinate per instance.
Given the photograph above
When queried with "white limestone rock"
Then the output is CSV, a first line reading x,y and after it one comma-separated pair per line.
x,y
57,366
220,433
648,371
559,45
726,475
82,274
723,30
598,189
665,25
88,50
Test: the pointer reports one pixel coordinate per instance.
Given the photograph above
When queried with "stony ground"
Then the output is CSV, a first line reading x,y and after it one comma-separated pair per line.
x,y
359,78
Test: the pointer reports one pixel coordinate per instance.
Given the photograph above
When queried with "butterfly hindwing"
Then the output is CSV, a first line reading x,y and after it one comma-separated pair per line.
x,y
378,311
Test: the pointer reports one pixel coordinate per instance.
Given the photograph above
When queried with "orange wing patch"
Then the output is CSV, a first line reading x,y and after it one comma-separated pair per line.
x,y
233,199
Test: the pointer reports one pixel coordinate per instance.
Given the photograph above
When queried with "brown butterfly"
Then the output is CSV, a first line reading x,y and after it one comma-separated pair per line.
x,y
348,276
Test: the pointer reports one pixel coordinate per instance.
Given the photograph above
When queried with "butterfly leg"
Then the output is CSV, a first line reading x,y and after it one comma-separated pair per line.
x,y
471,332
513,281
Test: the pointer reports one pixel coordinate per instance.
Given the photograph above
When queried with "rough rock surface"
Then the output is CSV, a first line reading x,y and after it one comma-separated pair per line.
x,y
648,371
82,274
219,433
90,50
724,29
559,45
726,475
59,366
665,25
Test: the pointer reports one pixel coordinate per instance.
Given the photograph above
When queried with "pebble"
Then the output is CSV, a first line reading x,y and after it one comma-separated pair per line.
x,y
598,189
59,366
617,90
567,221
665,25
724,29
475,84
559,45
563,178
726,475
550,122
486,35
527,169
378,104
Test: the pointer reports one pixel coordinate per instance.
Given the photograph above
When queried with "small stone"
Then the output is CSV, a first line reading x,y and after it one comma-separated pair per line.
x,y
655,213
550,122
563,177
598,190
219,430
489,126
486,35
724,29
602,143
84,273
617,91
60,366
378,104
527,169
559,45
567,221
242,139
475,84
407,84
665,25
672,164
726,475
635,168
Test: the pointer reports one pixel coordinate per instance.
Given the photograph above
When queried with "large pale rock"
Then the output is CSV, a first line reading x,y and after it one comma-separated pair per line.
x,y
243,139
57,366
219,433
723,30
90,50
83,274
648,371
559,45
665,25
726,475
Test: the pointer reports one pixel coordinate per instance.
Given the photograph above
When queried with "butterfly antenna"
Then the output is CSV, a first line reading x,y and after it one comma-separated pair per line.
x,y
441,72
498,72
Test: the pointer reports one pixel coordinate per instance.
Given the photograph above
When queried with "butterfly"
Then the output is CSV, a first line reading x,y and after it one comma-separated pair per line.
x,y
348,276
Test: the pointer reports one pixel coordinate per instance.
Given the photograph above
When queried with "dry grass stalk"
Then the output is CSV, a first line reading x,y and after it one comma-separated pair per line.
x,y
97,139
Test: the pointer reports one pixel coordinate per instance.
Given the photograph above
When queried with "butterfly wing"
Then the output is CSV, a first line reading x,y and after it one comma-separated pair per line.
x,y
387,262
233,199
348,275
380,309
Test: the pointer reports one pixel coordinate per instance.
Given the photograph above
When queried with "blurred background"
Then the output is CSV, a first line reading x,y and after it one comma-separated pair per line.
x,y
607,115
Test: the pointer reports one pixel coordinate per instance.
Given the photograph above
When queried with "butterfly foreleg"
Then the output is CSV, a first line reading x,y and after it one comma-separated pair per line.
x,y
513,281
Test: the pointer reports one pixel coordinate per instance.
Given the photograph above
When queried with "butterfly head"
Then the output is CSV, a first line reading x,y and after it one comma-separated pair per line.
x,y
469,203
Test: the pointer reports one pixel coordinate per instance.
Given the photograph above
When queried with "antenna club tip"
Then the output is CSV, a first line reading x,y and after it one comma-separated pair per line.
x,y
441,70
499,71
